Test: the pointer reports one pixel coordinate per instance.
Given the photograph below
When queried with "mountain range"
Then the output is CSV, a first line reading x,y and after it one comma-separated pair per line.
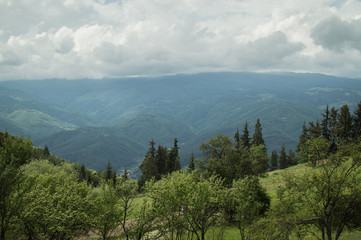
x,y
96,121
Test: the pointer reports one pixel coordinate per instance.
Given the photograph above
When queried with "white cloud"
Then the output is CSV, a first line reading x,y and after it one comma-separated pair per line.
x,y
102,38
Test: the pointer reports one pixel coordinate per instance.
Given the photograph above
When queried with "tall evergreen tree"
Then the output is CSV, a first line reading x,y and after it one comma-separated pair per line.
x,y
315,129
161,161
356,133
173,163
303,137
291,158
333,124
149,166
283,157
237,140
325,124
344,123
245,139
257,138
110,174
274,161
191,165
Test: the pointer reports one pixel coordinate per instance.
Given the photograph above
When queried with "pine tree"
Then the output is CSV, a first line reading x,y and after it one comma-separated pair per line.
x,y
325,125
257,138
344,123
191,165
245,140
303,137
237,140
125,175
161,161
283,157
173,163
148,167
315,130
333,124
46,151
274,161
291,158
356,133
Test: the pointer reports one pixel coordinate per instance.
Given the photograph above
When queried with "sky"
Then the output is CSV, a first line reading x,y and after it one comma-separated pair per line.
x,y
71,39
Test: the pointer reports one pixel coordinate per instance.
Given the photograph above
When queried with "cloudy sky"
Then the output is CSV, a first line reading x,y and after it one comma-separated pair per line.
x,y
102,38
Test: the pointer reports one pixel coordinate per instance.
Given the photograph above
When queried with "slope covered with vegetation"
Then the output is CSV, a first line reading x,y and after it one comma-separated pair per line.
x,y
192,108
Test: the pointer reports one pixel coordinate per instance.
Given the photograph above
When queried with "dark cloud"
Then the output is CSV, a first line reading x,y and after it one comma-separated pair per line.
x,y
338,35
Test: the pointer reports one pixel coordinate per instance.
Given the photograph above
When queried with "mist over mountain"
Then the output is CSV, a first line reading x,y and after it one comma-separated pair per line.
x,y
95,121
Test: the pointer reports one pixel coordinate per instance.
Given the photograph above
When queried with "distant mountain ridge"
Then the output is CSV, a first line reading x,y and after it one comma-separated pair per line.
x,y
93,121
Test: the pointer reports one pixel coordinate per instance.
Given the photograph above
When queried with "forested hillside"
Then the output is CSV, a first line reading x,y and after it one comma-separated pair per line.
x,y
121,116
228,193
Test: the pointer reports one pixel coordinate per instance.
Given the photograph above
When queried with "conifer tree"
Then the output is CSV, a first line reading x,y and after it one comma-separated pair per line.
x,y
149,166
333,124
237,140
325,124
291,158
356,133
191,165
109,172
245,140
303,137
344,123
173,163
283,157
46,151
274,161
161,161
257,138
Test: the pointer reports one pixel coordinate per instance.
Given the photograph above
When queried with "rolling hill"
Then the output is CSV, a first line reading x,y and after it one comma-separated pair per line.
x,y
93,121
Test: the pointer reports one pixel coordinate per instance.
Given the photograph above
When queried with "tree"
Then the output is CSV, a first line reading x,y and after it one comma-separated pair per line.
x,y
250,202
283,157
257,138
259,159
14,152
303,137
161,160
126,192
191,165
173,163
291,158
324,201
357,123
237,140
274,161
149,166
107,213
217,148
245,139
314,150
325,125
344,124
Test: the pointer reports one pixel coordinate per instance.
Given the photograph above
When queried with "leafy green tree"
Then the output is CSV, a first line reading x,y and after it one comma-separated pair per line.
x,y
314,150
257,138
274,161
245,139
58,207
259,159
126,192
250,202
107,213
14,152
323,202
217,147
